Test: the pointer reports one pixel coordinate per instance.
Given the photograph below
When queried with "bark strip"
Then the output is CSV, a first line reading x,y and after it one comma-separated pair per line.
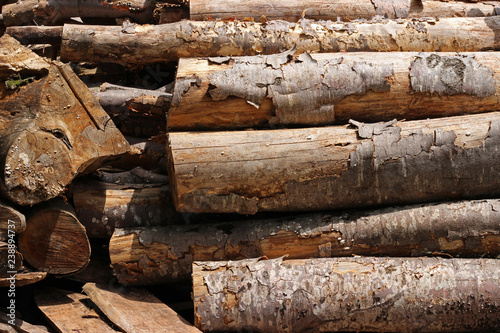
x,y
141,256
335,167
348,294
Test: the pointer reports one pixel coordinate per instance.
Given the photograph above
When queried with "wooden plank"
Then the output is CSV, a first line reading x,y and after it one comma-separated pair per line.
x,y
136,310
70,312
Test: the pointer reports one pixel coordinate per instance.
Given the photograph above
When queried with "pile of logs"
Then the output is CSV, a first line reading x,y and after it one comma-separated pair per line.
x,y
303,165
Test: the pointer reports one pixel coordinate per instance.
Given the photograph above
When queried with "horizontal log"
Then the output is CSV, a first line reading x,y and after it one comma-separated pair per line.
x,y
36,34
136,46
348,294
51,12
338,167
144,256
323,89
51,127
343,9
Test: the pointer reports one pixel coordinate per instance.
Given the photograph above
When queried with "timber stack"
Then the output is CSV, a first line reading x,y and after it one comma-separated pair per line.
x,y
280,166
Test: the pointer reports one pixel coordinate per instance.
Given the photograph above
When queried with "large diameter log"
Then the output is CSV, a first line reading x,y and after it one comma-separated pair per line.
x,y
51,127
335,167
136,46
160,255
348,294
51,12
101,207
326,88
54,240
331,10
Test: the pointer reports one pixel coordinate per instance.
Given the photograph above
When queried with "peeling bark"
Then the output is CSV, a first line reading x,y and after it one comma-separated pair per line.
x,y
51,129
333,167
142,256
324,89
331,10
136,46
51,12
348,294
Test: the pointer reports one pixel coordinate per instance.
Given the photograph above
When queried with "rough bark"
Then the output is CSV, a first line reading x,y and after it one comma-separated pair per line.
x,y
54,240
51,12
11,218
328,10
263,91
137,112
51,127
136,46
335,167
137,310
348,294
101,206
36,34
144,256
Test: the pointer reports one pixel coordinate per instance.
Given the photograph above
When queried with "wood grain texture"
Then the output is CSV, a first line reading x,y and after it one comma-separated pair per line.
x,y
11,218
136,46
348,294
137,310
331,10
22,326
324,89
144,256
70,312
23,278
51,129
335,167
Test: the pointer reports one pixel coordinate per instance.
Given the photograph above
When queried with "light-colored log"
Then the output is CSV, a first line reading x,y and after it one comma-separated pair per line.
x,y
144,256
348,294
331,10
337,167
137,310
136,46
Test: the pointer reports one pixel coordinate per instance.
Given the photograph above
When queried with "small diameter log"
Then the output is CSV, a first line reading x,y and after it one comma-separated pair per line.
x,y
305,90
160,255
52,12
36,34
348,294
137,310
328,10
101,206
136,46
335,167
137,112
51,127
11,218
11,261
54,240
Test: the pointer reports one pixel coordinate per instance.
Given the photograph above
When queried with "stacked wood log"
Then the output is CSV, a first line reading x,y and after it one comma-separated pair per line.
x,y
339,161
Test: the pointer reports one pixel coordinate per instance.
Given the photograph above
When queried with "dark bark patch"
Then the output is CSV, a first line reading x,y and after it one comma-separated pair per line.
x,y
451,75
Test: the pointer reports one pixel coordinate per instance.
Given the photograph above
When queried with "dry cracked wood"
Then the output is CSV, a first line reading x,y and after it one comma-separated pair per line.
x,y
335,167
137,310
324,89
144,256
51,128
348,294
135,45
331,10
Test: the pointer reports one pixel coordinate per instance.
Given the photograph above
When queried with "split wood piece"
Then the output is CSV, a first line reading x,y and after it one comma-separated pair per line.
x,y
23,278
136,310
137,175
52,12
323,89
145,153
335,167
70,312
54,240
136,46
11,261
21,326
11,218
348,294
467,229
137,112
344,9
51,129
101,207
